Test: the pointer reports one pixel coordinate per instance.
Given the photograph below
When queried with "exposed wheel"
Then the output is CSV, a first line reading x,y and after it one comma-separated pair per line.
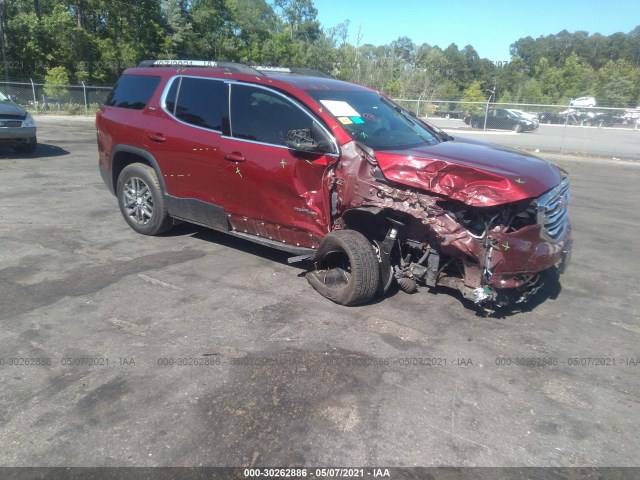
x,y
517,128
29,147
141,200
347,269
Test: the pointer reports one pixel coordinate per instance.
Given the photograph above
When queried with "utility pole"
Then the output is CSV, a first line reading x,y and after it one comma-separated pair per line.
x,y
3,16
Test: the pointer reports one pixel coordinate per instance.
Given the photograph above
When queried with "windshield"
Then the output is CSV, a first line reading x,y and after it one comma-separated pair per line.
x,y
375,121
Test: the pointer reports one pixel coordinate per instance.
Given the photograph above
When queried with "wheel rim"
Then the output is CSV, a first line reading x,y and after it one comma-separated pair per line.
x,y
138,201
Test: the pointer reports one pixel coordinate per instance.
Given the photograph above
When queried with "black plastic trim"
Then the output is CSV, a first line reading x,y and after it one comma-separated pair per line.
x,y
142,153
196,211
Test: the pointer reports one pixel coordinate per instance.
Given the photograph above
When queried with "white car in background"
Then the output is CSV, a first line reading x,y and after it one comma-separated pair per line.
x,y
632,116
583,102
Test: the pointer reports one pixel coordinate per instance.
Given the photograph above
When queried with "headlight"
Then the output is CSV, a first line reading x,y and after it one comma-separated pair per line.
x,y
29,121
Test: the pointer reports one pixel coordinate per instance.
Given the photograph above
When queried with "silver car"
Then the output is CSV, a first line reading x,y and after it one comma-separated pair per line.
x,y
17,127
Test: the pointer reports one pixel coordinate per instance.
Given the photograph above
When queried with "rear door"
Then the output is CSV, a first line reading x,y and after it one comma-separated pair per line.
x,y
185,138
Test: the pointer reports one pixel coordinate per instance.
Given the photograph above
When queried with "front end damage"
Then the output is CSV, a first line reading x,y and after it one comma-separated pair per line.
x,y
496,247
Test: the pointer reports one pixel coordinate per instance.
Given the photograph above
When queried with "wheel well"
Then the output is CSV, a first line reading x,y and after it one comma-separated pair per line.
x,y
121,160
373,222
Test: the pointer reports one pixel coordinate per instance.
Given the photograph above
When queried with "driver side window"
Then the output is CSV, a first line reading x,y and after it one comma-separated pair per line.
x,y
264,116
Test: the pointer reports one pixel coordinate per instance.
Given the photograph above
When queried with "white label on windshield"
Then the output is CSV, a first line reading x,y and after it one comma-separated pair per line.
x,y
339,108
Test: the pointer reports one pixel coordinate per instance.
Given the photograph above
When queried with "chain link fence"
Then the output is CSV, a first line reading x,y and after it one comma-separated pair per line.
x,y
86,99
576,129
65,99
559,128
546,114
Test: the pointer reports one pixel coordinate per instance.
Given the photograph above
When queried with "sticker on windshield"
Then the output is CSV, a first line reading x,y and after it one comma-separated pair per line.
x,y
339,108
345,120
356,120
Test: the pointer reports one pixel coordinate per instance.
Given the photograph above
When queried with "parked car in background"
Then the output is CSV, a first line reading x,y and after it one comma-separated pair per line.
x,y
631,117
552,118
583,102
529,116
502,119
17,127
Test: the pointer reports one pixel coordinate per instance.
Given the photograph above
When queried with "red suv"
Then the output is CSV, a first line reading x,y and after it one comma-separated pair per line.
x,y
336,174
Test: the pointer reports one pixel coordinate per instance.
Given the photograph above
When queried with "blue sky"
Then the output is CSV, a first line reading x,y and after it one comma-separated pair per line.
x,y
490,26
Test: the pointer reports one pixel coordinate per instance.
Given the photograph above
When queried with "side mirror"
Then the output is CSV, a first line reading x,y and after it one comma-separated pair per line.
x,y
310,140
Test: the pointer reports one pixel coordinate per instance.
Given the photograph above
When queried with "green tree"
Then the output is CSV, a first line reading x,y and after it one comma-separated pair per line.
x,y
473,93
54,82
618,84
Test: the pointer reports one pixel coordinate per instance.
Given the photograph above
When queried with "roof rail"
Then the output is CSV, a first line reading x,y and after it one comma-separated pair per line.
x,y
292,71
231,66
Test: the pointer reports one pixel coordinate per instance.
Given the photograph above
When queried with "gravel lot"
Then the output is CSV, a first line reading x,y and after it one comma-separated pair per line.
x,y
196,349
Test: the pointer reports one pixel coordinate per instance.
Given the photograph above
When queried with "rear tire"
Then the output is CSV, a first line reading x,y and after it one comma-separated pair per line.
x,y
141,200
347,268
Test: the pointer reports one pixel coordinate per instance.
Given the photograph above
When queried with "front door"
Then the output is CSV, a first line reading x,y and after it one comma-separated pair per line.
x,y
271,190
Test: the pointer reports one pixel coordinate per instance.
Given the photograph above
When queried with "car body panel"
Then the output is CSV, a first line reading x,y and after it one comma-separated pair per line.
x,y
496,175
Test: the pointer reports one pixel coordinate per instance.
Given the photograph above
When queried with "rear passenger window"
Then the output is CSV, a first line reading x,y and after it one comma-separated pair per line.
x,y
132,91
263,116
172,94
200,101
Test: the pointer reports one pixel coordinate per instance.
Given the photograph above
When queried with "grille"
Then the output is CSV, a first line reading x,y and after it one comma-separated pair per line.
x,y
11,116
553,211
10,123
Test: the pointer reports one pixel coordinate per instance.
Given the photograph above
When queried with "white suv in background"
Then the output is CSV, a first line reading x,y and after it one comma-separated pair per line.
x,y
583,102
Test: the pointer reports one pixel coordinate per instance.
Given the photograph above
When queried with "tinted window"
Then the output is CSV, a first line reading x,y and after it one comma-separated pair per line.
x,y
132,91
172,94
202,102
263,116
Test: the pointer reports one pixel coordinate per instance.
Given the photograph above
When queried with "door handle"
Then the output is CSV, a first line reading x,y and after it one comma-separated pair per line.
x,y
234,157
157,137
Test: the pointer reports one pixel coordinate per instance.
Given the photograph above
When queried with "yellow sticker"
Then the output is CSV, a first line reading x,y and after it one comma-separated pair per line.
x,y
345,120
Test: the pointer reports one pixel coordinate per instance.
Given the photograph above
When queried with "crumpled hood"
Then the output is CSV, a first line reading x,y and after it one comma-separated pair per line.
x,y
8,108
473,173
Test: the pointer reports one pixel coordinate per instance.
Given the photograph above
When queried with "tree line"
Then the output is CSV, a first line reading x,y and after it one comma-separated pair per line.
x,y
92,41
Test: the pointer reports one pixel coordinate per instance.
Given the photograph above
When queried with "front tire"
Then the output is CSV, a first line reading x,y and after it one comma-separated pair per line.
x,y
347,268
517,128
141,200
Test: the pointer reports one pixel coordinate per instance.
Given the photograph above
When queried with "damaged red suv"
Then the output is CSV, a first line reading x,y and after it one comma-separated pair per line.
x,y
335,174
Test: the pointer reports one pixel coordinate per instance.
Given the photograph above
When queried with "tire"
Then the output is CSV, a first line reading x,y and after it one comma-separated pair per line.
x,y
475,124
29,147
141,200
517,128
347,268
